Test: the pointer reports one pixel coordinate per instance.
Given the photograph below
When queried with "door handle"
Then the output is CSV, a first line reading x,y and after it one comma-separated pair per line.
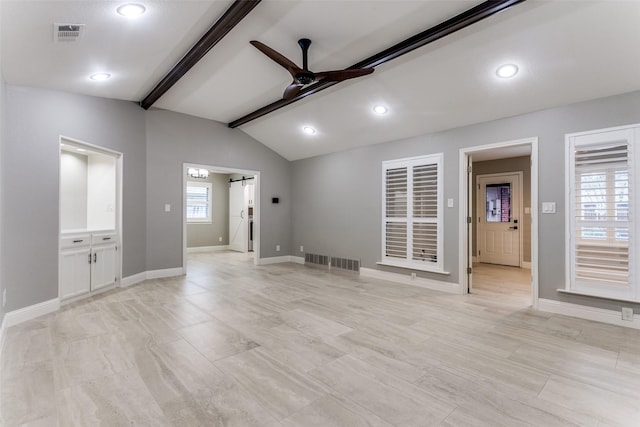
x,y
95,257
515,227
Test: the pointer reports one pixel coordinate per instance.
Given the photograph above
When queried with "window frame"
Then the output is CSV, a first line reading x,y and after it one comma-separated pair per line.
x,y
629,135
208,203
436,159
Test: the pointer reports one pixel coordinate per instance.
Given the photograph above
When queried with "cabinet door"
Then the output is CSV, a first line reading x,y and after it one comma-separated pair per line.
x,y
103,268
75,272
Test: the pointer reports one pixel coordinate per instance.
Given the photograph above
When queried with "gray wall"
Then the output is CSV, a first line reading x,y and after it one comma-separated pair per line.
x,y
35,119
3,127
337,197
204,234
514,164
174,139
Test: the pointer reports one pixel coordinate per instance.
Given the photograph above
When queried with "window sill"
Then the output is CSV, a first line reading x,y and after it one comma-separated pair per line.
x,y
587,294
413,267
200,222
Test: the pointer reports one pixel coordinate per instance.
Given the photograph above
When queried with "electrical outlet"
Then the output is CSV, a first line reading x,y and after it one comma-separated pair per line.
x,y
4,297
220,239
301,248
627,314
413,276
277,248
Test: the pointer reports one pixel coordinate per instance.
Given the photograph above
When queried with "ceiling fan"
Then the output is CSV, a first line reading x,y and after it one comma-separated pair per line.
x,y
302,76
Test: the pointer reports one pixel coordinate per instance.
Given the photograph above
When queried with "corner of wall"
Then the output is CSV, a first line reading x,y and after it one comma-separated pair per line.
x,y
2,142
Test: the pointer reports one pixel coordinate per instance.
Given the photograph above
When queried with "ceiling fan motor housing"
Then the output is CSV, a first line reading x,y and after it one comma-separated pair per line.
x,y
305,78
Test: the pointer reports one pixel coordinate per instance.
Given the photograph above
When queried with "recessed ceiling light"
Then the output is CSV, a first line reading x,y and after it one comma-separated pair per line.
x,y
507,71
99,77
131,10
308,130
380,109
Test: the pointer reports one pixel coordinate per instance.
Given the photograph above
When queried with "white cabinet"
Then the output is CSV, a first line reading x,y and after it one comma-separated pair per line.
x,y
75,271
103,266
88,262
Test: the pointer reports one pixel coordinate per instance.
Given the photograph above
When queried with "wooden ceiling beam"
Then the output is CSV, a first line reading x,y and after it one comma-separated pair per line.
x,y
450,26
236,13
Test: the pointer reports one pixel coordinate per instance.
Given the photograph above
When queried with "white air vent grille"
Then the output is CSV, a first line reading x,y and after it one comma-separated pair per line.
x,y
67,32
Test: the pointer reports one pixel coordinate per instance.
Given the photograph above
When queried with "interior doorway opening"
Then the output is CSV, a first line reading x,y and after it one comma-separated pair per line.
x,y
221,211
498,216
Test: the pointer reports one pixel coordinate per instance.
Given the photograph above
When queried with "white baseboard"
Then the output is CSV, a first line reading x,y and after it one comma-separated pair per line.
x,y
31,312
274,260
405,279
165,272
133,279
585,312
281,259
202,249
3,328
152,274
526,264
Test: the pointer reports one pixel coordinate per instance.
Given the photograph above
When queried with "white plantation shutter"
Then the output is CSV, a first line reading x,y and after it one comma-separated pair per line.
x,y
413,212
198,201
425,213
601,213
396,213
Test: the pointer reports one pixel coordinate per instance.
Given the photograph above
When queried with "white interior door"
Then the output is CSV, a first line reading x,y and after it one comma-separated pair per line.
x,y
498,213
237,218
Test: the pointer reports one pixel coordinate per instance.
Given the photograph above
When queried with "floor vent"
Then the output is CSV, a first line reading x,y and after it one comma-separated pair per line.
x,y
345,264
316,259
67,32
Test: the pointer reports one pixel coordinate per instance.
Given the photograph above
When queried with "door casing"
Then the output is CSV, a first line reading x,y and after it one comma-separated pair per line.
x,y
465,280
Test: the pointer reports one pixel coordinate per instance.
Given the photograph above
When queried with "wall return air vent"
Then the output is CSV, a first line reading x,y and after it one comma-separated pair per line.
x,y
67,32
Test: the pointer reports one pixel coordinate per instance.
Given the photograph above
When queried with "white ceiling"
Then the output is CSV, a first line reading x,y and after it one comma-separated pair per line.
x,y
567,51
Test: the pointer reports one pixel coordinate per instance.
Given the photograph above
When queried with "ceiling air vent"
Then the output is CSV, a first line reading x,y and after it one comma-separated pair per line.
x,y
67,32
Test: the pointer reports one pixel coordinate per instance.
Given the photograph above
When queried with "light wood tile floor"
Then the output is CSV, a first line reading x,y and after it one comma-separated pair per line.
x,y
232,344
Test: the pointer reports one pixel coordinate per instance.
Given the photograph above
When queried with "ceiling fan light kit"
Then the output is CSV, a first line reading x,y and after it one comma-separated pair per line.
x,y
303,76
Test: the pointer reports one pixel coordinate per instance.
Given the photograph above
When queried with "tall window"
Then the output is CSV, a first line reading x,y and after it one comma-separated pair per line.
x,y
198,201
601,205
412,213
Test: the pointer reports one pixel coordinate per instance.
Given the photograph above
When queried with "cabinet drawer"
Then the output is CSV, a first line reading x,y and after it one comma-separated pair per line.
x,y
104,238
75,240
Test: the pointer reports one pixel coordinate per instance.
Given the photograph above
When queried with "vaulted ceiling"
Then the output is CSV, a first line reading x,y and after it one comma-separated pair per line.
x,y
566,51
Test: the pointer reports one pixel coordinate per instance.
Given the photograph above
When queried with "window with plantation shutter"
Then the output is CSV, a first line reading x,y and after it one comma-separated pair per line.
x,y
602,189
198,201
412,213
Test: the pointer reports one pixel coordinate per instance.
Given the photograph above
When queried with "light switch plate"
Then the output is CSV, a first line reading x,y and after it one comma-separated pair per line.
x,y
167,207
548,207
449,203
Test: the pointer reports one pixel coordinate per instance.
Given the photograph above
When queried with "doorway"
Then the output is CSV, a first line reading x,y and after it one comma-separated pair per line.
x,y
241,207
233,221
499,204
498,249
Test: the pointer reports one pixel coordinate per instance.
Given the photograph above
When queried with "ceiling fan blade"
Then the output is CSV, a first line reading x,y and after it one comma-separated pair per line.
x,y
340,75
292,90
277,57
